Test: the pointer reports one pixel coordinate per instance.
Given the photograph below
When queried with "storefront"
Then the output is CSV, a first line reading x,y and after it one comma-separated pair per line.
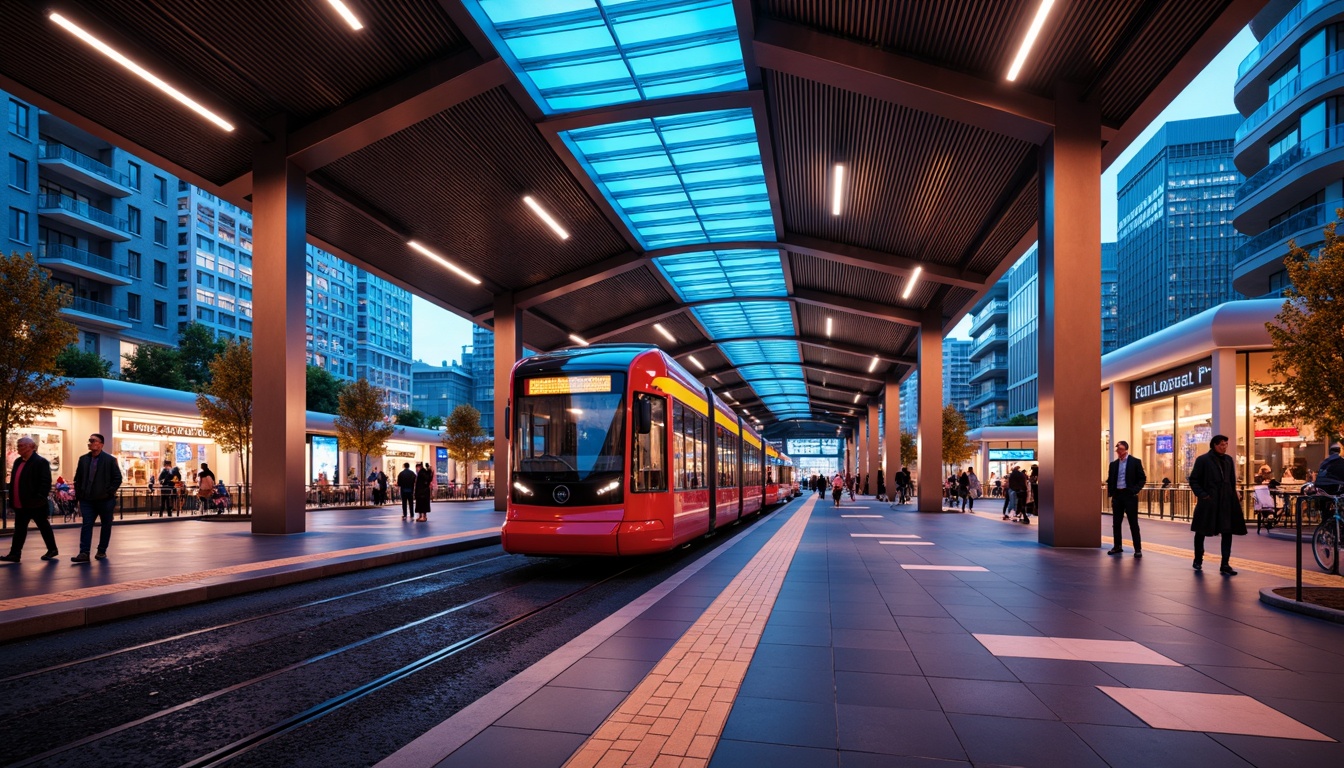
x,y
999,449
143,441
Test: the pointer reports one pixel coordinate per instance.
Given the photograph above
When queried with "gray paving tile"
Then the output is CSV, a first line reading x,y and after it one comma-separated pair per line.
x,y
891,731
969,666
792,656
604,674
765,682
876,660
809,635
634,648
989,697
654,628
870,689
878,619
1163,678
516,748
870,760
1010,741
1145,747
868,638
1061,671
775,721
1083,704
798,618
1262,751
574,710
747,754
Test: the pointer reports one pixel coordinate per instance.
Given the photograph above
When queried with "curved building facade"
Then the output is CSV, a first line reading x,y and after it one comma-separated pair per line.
x,y
1290,144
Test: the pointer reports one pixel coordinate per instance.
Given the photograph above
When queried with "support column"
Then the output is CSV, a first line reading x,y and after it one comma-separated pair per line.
x,y
1070,326
874,462
930,439
279,406
1120,424
508,350
1225,407
892,417
860,454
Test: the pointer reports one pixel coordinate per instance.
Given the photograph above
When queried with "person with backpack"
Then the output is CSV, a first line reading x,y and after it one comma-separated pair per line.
x,y
837,488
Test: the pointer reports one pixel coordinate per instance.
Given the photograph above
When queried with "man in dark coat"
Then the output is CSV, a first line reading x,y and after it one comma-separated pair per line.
x,y
1124,480
1218,511
29,484
406,487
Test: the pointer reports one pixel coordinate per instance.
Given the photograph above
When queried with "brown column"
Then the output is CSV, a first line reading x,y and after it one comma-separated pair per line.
x,y
874,462
892,423
279,200
860,451
508,349
930,438
1070,327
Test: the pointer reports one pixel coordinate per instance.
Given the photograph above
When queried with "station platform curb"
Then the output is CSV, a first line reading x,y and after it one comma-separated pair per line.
x,y
30,621
1269,597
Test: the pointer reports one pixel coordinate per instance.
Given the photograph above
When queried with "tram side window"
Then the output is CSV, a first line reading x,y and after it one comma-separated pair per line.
x,y
648,455
678,445
689,438
728,448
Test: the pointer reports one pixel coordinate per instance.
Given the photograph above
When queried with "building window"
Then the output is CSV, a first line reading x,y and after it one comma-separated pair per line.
x,y
160,189
160,273
160,232
18,173
133,219
133,171
205,315
18,225
161,314
133,264
18,118
133,306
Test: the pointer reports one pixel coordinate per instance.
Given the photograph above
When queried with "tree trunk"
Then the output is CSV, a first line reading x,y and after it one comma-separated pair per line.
x,y
4,477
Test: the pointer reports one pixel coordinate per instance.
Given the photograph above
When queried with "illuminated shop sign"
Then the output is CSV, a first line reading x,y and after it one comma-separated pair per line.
x,y
1165,444
161,430
813,447
568,385
1196,375
1012,454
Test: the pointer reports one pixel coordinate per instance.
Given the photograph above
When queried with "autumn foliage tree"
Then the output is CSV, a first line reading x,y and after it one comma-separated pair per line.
x,y
464,437
360,424
1308,336
33,333
956,448
225,402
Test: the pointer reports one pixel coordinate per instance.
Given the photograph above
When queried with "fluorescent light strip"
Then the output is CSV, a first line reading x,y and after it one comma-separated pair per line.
x,y
837,188
659,327
828,327
857,395
697,363
873,365
910,286
346,14
1030,39
450,265
148,76
546,217
577,340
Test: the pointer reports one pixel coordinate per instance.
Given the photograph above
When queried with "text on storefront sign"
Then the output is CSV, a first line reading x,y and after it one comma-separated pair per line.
x,y
1196,375
161,430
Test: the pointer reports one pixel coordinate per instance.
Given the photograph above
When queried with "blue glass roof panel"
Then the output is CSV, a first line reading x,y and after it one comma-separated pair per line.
x,y
580,54
746,319
724,274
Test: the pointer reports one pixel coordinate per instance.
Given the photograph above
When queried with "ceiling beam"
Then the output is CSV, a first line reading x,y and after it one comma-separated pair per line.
x,y
1003,206
644,110
811,341
860,307
824,370
997,107
889,263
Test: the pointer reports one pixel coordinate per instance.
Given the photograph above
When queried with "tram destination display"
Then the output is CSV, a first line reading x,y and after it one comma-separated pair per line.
x,y
568,385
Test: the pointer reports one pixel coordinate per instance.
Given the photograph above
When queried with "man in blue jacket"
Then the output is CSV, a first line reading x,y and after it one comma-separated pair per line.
x,y
97,479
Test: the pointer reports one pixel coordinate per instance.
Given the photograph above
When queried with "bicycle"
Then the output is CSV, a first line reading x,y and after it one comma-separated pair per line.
x,y
1329,534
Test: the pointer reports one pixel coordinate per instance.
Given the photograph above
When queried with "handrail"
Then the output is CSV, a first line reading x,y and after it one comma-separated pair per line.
x,y
87,258
1276,35
1312,75
1309,147
91,307
82,208
50,150
1311,218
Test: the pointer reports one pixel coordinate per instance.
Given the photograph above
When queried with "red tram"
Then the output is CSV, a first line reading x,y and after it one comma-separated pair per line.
x,y
583,483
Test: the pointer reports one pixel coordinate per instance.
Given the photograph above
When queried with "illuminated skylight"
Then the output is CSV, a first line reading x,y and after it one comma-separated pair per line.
x,y
747,319
721,274
581,54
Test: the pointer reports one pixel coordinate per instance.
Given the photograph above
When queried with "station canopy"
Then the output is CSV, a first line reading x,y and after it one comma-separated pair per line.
x,y
778,193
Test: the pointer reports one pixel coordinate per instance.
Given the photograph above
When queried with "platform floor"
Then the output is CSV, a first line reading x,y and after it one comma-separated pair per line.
x,y
866,636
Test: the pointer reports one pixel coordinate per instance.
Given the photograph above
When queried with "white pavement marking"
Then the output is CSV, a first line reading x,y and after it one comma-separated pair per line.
x,y
909,543
1074,649
1210,713
883,536
944,568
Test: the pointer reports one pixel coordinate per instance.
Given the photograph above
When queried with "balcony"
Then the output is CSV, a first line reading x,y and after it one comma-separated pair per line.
x,y
995,367
994,309
1278,47
89,312
992,395
83,263
72,165
1305,168
1330,65
989,341
83,216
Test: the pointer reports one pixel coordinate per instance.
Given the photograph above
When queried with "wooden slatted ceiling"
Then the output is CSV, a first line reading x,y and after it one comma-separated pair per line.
x,y
856,282
680,326
1020,217
835,359
880,335
608,300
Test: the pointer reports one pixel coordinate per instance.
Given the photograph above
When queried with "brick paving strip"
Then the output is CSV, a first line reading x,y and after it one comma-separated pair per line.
x,y
675,716
184,578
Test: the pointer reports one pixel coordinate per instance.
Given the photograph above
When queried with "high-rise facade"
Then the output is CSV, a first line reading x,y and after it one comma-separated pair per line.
x,y
1289,138
957,391
100,220
1023,311
483,375
988,358
437,389
1110,295
384,338
1175,243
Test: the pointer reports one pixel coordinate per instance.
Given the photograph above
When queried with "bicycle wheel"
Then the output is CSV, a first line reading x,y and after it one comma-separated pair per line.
x,y
1325,545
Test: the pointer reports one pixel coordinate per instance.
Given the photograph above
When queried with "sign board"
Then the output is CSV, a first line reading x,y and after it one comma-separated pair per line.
x,y
1164,444
1012,454
1278,432
1195,375
161,430
568,385
813,447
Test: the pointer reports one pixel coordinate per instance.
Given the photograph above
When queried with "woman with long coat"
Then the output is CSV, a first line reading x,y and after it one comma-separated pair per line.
x,y
1218,511
424,477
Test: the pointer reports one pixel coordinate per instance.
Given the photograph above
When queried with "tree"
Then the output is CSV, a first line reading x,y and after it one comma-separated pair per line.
x,y
1308,338
464,438
360,425
75,363
226,402
909,449
956,448
434,422
199,349
1021,420
156,366
324,390
410,418
33,332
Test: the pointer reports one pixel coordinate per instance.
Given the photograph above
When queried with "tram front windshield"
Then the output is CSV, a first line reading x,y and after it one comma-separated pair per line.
x,y
569,437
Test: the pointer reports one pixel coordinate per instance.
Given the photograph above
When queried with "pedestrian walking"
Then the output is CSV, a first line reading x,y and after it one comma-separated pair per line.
x,y
382,487
837,488
1124,479
406,490
97,478
29,488
1017,493
1218,509
167,487
424,477
973,489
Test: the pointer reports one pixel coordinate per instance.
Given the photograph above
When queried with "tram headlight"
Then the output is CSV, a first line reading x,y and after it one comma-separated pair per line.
x,y
523,489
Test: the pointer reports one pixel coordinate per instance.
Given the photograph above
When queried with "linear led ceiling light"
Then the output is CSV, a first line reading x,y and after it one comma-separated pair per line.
x,y
698,364
450,265
148,76
346,14
873,365
857,395
659,327
837,188
1030,39
910,286
546,217
828,327
577,340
